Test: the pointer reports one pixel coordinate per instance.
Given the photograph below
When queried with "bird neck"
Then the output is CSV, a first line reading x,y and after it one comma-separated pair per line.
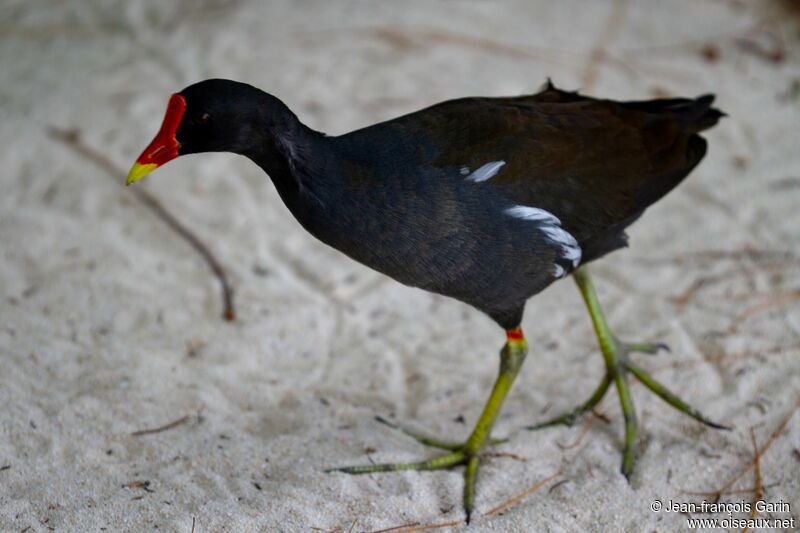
x,y
294,156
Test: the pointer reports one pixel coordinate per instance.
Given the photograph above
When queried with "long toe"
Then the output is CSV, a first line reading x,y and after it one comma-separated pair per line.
x,y
421,438
670,397
570,417
565,419
651,348
437,463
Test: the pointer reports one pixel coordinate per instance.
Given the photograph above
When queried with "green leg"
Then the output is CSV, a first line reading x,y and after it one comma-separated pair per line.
x,y
511,358
615,354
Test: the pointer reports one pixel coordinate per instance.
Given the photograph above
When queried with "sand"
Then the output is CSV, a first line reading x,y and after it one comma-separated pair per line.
x,y
110,323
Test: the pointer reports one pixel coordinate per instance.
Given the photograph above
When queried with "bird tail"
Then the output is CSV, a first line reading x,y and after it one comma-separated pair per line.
x,y
700,116
695,115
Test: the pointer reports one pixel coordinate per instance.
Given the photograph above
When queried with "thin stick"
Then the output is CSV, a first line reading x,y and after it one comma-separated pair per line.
x,y
587,425
748,490
723,358
738,254
395,528
510,455
775,301
599,52
192,524
165,427
775,434
757,473
556,485
408,528
515,499
72,139
407,37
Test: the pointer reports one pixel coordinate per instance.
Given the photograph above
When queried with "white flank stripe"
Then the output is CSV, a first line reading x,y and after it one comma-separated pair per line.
x,y
558,271
532,213
550,225
570,249
486,172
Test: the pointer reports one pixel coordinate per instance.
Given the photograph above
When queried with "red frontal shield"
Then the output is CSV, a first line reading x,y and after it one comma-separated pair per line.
x,y
164,146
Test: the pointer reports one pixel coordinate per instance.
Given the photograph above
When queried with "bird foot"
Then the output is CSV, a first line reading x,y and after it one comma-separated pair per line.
x,y
621,351
617,352
460,454
467,453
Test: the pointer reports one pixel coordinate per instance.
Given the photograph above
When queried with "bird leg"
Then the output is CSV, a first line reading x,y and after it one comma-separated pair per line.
x,y
618,365
511,358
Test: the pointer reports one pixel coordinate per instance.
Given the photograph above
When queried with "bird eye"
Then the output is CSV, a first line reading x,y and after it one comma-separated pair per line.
x,y
201,118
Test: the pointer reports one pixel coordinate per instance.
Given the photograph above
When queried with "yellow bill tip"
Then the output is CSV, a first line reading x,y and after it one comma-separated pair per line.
x,y
138,171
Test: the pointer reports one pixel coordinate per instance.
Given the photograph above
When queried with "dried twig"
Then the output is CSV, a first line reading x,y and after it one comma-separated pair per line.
x,y
601,416
556,485
757,474
165,427
682,300
416,526
723,358
395,528
725,488
746,252
749,261
510,455
143,484
600,51
587,425
408,37
192,524
773,302
408,528
514,499
748,490
72,140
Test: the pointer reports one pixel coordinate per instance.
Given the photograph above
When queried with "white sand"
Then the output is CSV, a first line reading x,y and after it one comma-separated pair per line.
x,y
100,299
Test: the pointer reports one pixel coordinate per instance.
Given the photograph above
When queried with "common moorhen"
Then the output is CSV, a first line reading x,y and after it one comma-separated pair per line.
x,y
486,200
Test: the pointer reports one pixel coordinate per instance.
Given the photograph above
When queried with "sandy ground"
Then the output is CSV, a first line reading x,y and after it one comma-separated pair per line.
x,y
110,323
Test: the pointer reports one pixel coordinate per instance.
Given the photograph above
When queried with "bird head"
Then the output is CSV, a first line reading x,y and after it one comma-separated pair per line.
x,y
210,116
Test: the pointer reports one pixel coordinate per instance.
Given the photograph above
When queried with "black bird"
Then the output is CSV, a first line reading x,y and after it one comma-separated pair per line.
x,y
486,200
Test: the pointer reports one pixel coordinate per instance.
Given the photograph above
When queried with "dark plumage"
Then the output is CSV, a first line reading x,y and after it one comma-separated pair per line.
x,y
393,196
486,200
